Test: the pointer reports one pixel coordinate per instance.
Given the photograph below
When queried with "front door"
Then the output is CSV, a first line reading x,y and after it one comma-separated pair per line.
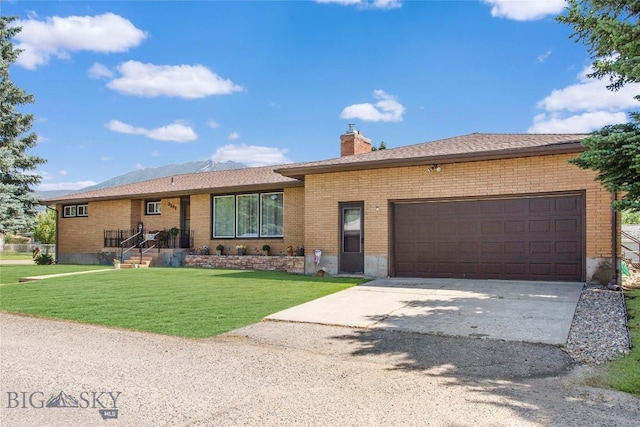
x,y
185,222
352,237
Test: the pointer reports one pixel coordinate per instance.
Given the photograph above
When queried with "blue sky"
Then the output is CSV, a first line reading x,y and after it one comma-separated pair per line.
x,y
127,85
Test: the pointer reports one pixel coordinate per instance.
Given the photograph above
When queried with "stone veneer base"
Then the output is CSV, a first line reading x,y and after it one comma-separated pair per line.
x,y
290,264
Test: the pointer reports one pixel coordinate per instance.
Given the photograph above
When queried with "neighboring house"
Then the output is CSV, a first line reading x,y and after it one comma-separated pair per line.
x,y
500,206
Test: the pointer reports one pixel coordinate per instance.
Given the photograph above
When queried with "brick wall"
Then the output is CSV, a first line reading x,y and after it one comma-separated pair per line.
x,y
293,225
354,143
552,173
86,234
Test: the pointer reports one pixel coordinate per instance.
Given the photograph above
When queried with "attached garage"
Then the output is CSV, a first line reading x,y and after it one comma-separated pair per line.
x,y
533,237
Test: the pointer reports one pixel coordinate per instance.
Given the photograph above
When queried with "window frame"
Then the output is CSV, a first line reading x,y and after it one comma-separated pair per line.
x,y
255,208
262,196
75,211
236,227
156,203
69,211
213,217
84,208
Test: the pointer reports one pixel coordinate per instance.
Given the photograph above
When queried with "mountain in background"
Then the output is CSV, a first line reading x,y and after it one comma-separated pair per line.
x,y
147,174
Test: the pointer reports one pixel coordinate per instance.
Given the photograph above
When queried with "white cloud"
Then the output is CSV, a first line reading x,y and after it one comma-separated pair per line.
x,y
374,4
177,131
47,176
98,71
181,81
525,10
106,158
78,185
155,153
579,123
590,95
58,36
121,127
41,139
233,136
251,155
340,2
543,57
387,109
584,107
213,124
385,4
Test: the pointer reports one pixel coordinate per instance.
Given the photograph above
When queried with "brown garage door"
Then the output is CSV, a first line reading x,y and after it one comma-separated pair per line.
x,y
532,238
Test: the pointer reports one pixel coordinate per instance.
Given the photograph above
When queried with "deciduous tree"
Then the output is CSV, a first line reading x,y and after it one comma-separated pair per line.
x,y
45,231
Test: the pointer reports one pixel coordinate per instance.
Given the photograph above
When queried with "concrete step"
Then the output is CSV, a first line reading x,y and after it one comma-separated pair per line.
x,y
143,262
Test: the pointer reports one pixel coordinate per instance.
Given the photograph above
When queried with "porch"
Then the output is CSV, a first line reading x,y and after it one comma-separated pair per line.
x,y
173,238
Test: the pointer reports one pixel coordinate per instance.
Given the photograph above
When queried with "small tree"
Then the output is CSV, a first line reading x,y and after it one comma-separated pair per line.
x,y
630,217
45,231
383,146
611,32
17,200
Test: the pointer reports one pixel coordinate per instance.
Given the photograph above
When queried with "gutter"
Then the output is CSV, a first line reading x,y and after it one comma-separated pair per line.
x,y
86,197
613,283
57,234
336,165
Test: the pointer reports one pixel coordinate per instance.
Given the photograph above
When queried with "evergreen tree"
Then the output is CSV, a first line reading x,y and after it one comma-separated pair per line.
x,y
383,146
17,200
614,152
611,31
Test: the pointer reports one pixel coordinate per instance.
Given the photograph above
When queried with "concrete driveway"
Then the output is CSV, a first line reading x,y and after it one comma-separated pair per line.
x,y
536,312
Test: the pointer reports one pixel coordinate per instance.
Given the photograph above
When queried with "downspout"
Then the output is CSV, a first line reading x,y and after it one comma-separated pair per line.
x,y
613,284
57,234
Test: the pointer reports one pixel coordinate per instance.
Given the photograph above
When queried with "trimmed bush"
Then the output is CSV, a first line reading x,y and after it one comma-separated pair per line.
x,y
44,259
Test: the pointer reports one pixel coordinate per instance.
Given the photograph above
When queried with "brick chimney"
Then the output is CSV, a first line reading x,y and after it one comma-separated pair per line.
x,y
353,142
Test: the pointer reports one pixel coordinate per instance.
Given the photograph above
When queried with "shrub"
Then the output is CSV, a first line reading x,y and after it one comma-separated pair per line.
x,y
43,259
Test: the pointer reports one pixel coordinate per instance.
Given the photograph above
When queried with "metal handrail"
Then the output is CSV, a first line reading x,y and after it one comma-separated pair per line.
x,y
635,240
129,238
148,240
124,251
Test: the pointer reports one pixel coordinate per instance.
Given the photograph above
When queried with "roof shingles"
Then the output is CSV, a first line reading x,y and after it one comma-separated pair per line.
x,y
474,143
227,180
461,148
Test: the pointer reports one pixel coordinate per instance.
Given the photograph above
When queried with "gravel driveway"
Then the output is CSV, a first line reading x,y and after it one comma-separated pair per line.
x,y
277,373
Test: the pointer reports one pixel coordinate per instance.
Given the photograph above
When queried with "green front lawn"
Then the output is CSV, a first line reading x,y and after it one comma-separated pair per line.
x,y
12,256
10,274
624,374
176,301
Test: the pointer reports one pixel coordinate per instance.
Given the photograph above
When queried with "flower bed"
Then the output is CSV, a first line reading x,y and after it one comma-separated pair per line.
x,y
290,264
